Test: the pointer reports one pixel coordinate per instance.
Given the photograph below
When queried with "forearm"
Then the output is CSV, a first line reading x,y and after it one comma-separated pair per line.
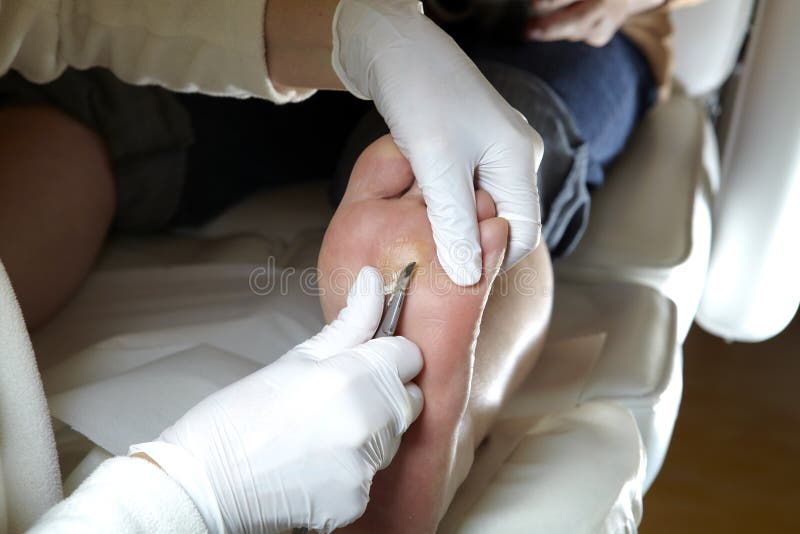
x,y
206,46
298,37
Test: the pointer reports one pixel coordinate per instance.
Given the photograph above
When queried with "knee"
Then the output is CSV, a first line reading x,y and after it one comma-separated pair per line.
x,y
57,200
54,161
88,182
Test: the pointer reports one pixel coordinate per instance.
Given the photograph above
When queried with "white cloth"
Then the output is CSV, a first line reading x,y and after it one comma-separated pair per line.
x,y
125,495
185,45
29,476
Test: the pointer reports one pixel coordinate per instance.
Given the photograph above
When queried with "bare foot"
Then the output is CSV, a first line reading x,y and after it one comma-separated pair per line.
x,y
382,221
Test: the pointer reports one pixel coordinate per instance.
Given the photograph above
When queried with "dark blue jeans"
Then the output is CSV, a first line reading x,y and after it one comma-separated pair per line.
x,y
605,89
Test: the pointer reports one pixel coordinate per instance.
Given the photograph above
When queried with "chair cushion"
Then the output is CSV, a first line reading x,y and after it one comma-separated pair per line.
x,y
589,428
577,471
651,221
642,215
639,327
640,363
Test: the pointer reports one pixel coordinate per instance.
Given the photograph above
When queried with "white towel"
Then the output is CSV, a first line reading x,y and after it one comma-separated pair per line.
x,y
29,473
125,496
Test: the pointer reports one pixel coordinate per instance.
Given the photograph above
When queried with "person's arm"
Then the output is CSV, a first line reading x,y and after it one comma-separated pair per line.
x,y
209,46
299,43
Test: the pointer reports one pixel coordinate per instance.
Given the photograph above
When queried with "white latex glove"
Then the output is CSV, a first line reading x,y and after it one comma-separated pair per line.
x,y
297,443
448,121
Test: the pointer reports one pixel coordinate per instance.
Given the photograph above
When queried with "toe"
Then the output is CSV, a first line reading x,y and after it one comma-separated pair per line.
x,y
485,204
494,238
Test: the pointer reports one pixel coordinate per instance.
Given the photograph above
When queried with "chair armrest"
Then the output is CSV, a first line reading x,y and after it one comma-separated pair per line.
x,y
753,287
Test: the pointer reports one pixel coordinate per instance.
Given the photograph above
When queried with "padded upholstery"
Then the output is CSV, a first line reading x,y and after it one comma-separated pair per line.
x,y
651,222
640,363
576,471
754,288
627,385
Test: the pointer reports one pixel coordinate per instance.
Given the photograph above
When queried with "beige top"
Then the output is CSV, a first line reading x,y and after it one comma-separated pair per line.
x,y
210,46
652,32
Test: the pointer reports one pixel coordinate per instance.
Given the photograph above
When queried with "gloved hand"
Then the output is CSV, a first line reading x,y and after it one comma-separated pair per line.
x,y
448,121
296,444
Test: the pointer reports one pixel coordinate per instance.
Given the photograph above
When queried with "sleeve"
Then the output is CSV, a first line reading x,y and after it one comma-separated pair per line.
x,y
125,496
210,46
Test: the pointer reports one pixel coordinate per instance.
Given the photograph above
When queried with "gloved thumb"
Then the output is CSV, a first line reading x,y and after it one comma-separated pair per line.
x,y
397,361
513,187
450,199
357,321
416,399
525,227
415,402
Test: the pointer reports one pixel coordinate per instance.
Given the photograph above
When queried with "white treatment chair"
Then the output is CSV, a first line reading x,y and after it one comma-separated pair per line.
x,y
681,231
672,232
674,235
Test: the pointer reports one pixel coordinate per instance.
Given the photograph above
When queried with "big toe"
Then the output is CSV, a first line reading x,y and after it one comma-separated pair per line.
x,y
485,205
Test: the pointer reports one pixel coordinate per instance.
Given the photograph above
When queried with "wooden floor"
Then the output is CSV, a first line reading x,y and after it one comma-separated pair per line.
x,y
734,462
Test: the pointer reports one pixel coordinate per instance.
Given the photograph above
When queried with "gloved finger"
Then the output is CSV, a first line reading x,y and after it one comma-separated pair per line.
x,y
357,321
516,196
525,232
517,201
399,352
450,199
416,399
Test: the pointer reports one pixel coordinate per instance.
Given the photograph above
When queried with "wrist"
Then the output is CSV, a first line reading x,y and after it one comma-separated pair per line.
x,y
189,473
146,458
298,40
364,32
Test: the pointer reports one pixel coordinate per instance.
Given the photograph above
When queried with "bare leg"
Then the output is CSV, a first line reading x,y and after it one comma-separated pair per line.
x,y
513,331
56,205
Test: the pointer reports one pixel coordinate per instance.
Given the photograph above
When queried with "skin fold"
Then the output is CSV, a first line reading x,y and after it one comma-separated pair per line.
x,y
478,342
